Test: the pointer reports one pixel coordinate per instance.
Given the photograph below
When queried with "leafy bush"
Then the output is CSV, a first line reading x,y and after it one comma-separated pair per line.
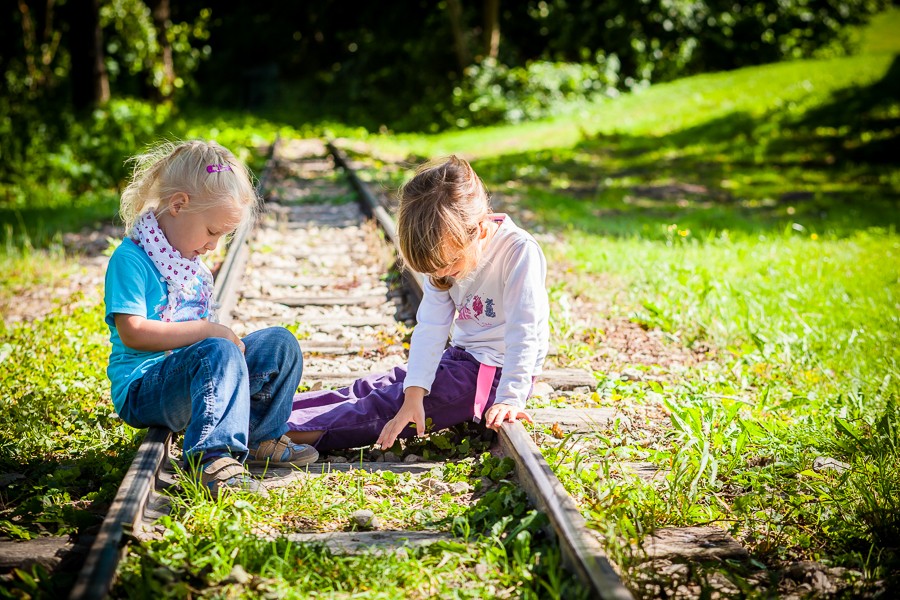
x,y
492,91
95,153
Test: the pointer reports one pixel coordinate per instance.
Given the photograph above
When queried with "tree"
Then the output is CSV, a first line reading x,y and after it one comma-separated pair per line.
x,y
492,28
40,42
460,44
161,20
90,79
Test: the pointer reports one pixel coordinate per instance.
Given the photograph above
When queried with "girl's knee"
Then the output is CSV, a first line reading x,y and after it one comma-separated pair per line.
x,y
285,345
220,347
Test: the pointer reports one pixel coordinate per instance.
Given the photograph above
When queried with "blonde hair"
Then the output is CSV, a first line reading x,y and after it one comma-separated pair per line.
x,y
171,167
439,215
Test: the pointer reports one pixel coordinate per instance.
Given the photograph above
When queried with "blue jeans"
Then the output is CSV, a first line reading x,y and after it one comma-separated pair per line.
x,y
224,400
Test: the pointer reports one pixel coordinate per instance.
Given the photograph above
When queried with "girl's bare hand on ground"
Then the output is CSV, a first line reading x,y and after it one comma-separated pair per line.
x,y
412,411
499,413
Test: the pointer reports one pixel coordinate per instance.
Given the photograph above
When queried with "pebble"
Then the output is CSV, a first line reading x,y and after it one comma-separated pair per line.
x,y
239,575
825,463
390,457
336,459
460,487
365,519
438,486
412,458
632,375
542,389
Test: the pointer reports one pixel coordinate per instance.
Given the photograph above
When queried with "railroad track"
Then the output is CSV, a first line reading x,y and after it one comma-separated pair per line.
x,y
316,262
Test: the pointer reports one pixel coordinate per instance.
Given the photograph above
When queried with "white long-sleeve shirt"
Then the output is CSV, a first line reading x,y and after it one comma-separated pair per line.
x,y
499,314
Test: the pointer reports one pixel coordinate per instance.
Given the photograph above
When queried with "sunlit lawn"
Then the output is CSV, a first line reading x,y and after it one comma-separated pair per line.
x,y
753,212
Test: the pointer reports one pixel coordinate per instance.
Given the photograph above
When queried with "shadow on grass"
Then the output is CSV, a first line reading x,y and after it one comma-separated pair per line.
x,y
830,169
52,495
42,226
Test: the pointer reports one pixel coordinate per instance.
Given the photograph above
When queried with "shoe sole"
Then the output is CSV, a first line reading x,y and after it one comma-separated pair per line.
x,y
298,462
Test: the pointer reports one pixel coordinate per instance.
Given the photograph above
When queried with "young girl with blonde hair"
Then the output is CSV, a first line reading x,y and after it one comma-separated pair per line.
x,y
171,364
485,290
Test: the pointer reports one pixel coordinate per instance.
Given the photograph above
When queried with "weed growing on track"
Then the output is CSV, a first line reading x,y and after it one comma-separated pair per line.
x,y
497,548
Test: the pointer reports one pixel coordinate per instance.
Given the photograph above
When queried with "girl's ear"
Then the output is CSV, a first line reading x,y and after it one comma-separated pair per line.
x,y
177,202
483,229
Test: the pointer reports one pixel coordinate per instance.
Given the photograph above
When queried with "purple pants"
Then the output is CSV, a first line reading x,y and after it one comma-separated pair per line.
x,y
354,416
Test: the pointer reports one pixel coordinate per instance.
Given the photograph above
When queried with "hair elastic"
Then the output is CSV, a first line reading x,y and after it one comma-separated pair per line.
x,y
217,168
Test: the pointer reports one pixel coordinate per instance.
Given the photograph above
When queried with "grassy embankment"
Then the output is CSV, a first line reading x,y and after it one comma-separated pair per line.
x,y
754,212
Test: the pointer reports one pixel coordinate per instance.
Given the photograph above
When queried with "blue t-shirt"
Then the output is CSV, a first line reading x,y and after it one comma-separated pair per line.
x,y
133,287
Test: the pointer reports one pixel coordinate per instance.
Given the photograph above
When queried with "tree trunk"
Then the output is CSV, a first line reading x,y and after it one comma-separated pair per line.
x,y
161,17
491,28
90,80
40,44
454,12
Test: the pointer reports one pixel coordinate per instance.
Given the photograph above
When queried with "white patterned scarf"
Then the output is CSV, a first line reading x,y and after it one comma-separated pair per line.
x,y
189,282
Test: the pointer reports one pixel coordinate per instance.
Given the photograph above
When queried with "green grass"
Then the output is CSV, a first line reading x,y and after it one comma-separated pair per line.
x,y
496,548
63,451
753,212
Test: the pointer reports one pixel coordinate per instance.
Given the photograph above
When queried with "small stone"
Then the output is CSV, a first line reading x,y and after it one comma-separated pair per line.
x,y
632,375
365,519
802,571
542,389
825,463
482,570
436,485
336,459
390,457
164,573
239,575
412,458
582,389
484,484
460,487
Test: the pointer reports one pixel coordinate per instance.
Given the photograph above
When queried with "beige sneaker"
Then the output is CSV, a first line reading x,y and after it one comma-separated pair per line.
x,y
226,473
282,453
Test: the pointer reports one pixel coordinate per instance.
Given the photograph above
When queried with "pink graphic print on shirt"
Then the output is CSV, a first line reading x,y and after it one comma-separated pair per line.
x,y
473,308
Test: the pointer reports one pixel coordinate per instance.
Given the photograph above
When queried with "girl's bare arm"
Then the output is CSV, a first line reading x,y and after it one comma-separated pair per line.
x,y
139,333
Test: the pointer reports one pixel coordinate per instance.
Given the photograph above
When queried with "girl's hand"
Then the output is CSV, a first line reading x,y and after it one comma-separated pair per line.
x,y
413,410
498,413
221,331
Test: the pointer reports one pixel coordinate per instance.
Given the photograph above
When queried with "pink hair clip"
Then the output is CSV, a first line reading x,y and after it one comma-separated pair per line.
x,y
217,168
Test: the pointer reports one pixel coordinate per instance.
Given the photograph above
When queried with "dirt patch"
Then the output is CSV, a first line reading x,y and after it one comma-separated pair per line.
x,y
629,350
80,277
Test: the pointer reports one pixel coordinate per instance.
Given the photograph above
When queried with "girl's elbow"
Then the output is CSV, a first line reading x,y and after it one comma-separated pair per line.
x,y
129,340
130,335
